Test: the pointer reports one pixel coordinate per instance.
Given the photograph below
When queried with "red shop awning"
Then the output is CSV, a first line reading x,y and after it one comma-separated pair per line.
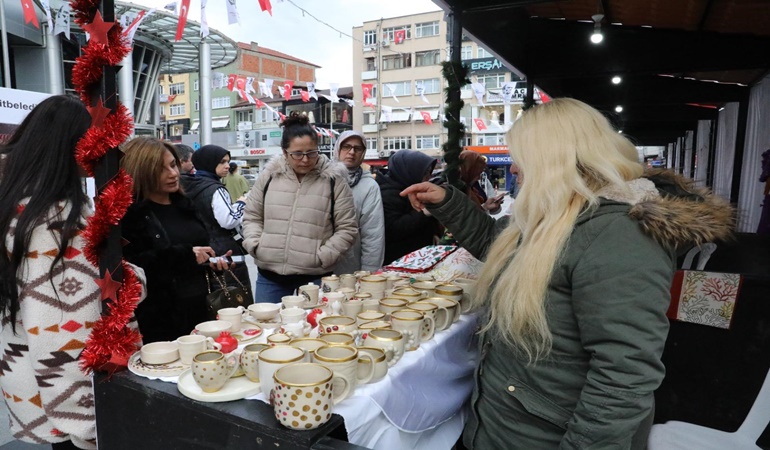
x,y
377,162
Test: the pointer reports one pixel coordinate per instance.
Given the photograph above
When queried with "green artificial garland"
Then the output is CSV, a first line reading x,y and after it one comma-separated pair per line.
x,y
456,75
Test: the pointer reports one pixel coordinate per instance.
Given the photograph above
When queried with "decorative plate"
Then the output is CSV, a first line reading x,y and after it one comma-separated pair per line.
x,y
234,389
172,369
275,323
247,333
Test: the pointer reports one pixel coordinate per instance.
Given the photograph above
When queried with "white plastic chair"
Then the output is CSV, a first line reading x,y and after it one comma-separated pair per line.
x,y
675,435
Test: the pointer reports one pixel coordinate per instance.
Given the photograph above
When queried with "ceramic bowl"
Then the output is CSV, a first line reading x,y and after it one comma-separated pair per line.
x,y
264,311
159,352
212,328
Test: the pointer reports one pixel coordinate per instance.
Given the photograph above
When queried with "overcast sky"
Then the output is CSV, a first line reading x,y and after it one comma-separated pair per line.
x,y
303,37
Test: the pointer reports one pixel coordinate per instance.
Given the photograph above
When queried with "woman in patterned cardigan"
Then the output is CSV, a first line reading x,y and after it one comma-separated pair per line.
x,y
48,296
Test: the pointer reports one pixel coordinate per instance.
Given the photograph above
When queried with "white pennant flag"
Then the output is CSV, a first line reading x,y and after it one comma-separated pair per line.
x,y
350,102
333,88
281,90
232,12
479,90
387,113
47,9
204,21
219,80
414,115
62,24
508,88
392,89
262,88
269,87
250,85
419,88
311,90
170,7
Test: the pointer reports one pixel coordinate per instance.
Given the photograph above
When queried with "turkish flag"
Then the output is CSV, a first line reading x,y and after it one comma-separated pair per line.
x,y
182,19
29,13
543,96
259,103
345,116
231,81
287,87
400,36
266,6
426,117
480,124
240,83
367,92
305,96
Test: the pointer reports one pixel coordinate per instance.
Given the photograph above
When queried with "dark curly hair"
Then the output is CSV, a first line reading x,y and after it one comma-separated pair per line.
x,y
294,126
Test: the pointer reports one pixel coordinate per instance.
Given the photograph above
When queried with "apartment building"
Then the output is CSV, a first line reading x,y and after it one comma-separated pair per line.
x,y
400,57
175,105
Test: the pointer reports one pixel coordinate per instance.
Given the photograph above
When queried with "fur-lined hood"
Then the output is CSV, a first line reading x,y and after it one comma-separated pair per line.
x,y
674,212
323,166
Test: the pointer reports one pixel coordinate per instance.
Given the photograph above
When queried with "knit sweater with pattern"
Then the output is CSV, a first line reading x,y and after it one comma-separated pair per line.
x,y
48,397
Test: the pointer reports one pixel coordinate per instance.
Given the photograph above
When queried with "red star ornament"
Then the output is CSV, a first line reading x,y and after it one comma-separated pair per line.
x,y
108,286
98,113
98,29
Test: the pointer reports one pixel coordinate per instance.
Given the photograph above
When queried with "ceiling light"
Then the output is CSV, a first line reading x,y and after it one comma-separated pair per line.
x,y
620,131
618,109
616,79
597,37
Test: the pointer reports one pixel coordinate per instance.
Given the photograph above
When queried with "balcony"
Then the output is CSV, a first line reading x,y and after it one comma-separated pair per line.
x,y
369,75
371,128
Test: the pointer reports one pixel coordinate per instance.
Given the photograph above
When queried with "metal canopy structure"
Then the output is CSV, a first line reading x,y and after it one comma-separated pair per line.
x,y
159,31
680,60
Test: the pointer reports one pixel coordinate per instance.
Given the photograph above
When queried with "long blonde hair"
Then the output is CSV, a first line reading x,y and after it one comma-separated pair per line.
x,y
566,152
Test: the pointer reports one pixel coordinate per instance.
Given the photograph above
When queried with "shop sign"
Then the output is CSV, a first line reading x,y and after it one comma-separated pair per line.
x,y
487,149
256,151
485,65
275,134
498,160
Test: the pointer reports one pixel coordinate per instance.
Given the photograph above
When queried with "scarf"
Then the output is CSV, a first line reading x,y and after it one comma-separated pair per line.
x,y
354,176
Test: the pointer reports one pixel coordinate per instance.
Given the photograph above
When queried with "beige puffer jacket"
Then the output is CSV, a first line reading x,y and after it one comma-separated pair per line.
x,y
291,232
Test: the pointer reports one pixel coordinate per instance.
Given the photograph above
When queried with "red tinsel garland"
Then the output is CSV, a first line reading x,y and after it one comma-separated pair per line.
x,y
111,341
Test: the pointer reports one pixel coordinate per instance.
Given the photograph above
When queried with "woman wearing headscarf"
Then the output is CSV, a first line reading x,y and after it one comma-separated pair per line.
x,y
472,165
210,197
575,287
406,230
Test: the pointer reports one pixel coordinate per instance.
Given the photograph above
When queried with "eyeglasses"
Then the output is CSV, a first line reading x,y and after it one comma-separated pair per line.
x,y
355,148
297,156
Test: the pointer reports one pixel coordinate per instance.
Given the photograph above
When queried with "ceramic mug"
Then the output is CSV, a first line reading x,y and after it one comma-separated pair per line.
x,y
250,360
361,273
332,324
391,341
440,315
372,283
407,293
351,308
349,292
292,315
211,369
343,360
380,363
390,281
334,301
304,394
272,359
308,344
279,339
192,344
415,325
232,315
451,306
310,292
338,339
368,316
469,288
450,291
330,283
370,304
348,280
426,288
289,301
389,305
296,329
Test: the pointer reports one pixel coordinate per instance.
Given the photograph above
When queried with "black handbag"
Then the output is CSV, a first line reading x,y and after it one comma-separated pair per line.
x,y
226,296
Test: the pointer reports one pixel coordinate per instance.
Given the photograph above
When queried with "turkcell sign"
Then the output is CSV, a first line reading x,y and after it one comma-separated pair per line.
x,y
498,160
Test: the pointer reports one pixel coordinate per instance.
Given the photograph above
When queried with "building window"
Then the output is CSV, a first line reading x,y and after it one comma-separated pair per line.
x,y
467,139
396,143
466,52
370,118
432,85
397,61
427,142
263,116
483,53
371,144
371,64
491,81
427,58
296,91
162,110
197,105
370,38
244,115
389,34
176,89
490,139
220,102
401,88
195,85
177,110
426,29
160,89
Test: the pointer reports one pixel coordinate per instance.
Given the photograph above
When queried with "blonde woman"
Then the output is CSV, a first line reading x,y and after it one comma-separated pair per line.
x,y
576,285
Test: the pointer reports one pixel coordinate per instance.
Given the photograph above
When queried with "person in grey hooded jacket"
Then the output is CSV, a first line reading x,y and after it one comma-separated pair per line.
x,y
369,248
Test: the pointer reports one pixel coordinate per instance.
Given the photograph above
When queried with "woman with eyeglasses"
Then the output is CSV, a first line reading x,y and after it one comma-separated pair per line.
x,y
299,217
